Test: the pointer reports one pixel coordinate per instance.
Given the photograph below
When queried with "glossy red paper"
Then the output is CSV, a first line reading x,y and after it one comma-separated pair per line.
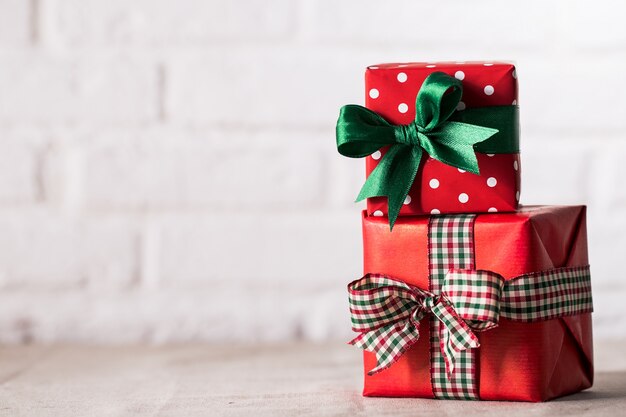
x,y
517,361
391,90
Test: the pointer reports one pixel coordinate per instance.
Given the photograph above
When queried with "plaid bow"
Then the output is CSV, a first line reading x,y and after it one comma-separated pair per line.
x,y
387,312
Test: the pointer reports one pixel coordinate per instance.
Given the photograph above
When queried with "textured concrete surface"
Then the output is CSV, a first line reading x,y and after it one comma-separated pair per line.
x,y
279,380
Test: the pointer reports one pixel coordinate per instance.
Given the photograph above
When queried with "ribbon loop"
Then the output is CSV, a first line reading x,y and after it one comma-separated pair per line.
x,y
446,135
437,100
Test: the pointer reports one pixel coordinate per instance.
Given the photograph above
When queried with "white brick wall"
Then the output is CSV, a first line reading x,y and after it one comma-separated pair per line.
x,y
45,88
15,23
174,23
168,169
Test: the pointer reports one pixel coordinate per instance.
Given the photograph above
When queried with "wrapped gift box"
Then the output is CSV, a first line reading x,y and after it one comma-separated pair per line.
x,y
439,188
519,361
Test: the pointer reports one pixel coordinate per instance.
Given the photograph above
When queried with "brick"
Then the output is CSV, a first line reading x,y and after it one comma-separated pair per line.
x,y
43,250
220,315
20,157
62,173
607,243
42,89
15,23
423,25
80,22
608,182
569,97
293,88
234,170
306,250
596,27
607,225
556,171
345,176
326,318
608,318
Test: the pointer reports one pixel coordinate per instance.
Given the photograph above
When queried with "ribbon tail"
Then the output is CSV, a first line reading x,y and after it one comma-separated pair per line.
x,y
456,335
393,178
453,144
388,343
503,118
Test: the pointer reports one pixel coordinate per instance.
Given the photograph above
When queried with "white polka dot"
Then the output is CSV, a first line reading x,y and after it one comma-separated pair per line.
x,y
407,200
459,75
435,211
491,181
402,77
374,93
514,102
431,66
489,90
488,64
463,198
517,195
490,154
514,74
403,108
515,165
460,106
434,183
377,213
462,171
376,155
492,210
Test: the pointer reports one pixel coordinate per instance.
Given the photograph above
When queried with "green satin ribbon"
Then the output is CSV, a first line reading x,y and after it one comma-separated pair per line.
x,y
449,136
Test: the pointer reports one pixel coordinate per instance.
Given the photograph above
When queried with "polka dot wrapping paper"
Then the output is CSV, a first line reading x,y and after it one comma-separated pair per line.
x,y
439,188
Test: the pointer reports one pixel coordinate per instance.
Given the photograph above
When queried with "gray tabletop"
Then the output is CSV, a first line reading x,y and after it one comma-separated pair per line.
x,y
279,380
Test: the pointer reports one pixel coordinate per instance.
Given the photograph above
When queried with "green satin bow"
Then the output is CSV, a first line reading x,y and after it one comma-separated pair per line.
x,y
449,136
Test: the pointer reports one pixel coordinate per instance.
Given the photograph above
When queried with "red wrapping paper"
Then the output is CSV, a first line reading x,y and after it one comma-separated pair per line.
x,y
517,361
391,90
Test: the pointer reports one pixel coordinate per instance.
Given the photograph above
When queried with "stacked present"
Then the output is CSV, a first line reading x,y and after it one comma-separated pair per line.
x,y
465,294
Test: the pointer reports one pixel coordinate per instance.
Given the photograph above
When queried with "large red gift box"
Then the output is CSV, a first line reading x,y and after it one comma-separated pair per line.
x,y
516,361
439,188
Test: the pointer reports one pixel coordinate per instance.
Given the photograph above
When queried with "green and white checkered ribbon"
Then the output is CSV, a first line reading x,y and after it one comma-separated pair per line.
x,y
386,312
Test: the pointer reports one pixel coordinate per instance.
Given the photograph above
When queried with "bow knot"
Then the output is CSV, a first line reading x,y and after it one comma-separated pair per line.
x,y
409,134
387,313
428,303
447,135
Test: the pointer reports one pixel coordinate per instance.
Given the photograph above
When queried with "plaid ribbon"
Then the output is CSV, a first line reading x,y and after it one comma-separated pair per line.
x,y
450,246
386,312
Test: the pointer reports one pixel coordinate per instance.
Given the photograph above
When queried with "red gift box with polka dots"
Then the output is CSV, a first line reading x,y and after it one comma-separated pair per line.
x,y
439,188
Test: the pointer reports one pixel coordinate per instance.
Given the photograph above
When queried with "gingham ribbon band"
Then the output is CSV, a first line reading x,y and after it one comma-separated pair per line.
x,y
386,312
